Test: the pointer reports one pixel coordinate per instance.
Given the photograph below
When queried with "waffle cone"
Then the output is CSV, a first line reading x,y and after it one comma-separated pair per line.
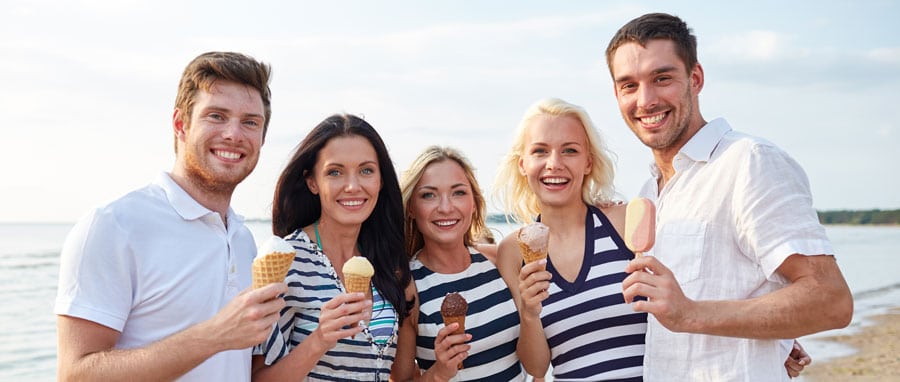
x,y
356,283
461,320
529,255
271,268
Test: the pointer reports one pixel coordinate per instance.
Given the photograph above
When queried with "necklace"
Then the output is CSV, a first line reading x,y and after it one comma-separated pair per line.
x,y
377,348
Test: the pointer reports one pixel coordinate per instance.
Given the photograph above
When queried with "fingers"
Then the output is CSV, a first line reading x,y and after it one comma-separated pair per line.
x,y
451,349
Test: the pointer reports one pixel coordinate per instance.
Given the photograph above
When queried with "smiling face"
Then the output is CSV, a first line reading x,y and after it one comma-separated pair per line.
x,y
220,145
657,95
555,159
347,178
443,203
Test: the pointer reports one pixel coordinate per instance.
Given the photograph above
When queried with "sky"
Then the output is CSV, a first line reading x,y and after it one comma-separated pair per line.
x,y
87,88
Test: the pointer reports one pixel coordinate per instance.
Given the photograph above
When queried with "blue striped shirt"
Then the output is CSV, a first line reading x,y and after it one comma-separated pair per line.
x,y
592,333
492,320
311,284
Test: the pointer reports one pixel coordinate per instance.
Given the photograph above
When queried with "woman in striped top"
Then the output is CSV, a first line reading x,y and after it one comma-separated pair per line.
x,y
445,213
572,314
338,198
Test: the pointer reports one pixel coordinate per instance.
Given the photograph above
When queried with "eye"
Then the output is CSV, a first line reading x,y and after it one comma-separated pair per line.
x,y
427,195
570,150
333,172
661,79
216,116
252,123
460,193
538,150
367,171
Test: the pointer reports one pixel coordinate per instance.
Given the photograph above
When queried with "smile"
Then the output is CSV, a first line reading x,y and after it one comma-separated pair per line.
x,y
654,119
446,223
230,155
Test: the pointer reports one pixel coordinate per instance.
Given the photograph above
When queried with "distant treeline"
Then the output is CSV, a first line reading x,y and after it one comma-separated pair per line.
x,y
884,217
860,217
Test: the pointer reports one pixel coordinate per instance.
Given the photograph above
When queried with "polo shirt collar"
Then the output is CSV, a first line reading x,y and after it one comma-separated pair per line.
x,y
702,145
184,204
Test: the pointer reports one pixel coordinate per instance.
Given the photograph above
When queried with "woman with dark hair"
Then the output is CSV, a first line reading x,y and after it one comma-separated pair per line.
x,y
338,198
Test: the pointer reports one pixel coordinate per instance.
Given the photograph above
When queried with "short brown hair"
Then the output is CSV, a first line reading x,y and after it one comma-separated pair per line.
x,y
207,68
656,26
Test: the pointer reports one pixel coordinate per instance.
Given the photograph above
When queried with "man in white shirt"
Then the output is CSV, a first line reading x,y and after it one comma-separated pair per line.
x,y
154,285
741,262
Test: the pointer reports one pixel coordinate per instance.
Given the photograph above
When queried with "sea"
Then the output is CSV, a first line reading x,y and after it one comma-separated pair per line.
x,y
29,269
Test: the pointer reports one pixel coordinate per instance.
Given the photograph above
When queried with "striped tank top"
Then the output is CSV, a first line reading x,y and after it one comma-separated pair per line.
x,y
492,320
312,282
592,333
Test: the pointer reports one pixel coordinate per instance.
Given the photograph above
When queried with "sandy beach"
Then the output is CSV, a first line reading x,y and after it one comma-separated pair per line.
x,y
877,357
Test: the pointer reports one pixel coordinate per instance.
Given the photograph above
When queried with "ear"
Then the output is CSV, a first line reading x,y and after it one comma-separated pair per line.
x,y
311,183
590,165
521,166
697,79
178,125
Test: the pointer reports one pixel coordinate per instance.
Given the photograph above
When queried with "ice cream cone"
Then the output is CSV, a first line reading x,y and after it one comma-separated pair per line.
x,y
533,242
271,268
358,272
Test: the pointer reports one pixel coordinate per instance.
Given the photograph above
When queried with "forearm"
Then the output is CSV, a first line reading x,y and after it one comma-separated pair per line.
x,y
532,348
804,307
167,359
294,366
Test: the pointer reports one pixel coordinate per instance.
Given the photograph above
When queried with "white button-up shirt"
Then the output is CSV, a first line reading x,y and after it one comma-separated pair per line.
x,y
735,209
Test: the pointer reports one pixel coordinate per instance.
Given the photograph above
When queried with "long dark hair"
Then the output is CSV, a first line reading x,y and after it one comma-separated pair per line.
x,y
381,235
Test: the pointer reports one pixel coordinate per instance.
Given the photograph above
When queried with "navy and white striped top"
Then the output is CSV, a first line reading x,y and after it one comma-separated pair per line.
x,y
592,333
492,320
310,284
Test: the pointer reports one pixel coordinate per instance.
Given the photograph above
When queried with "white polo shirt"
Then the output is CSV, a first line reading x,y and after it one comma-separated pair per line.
x,y
153,263
736,208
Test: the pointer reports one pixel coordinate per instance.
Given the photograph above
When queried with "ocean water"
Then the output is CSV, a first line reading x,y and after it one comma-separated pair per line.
x,y
29,268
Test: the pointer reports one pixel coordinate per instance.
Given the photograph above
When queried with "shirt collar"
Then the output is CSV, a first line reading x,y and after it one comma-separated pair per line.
x,y
185,205
701,146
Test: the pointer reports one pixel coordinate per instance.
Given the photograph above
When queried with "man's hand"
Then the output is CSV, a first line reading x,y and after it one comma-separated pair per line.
x,y
248,319
651,279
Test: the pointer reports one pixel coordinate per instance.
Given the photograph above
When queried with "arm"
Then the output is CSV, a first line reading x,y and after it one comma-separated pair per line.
x,y
334,323
528,286
404,367
817,299
86,348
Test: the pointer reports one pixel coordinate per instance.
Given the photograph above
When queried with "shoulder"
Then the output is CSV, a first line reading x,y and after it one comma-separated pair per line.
x,y
616,215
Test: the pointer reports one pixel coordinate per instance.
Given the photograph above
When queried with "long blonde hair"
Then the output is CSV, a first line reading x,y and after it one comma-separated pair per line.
x,y
511,188
411,177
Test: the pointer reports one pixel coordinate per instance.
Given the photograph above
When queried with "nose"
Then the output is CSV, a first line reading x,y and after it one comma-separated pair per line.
x,y
444,204
352,182
646,97
552,160
232,130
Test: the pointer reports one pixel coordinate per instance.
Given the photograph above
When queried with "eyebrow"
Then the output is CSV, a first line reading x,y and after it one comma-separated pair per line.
x,y
660,70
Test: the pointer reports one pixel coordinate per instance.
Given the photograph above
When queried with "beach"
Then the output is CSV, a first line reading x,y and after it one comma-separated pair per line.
x,y
877,356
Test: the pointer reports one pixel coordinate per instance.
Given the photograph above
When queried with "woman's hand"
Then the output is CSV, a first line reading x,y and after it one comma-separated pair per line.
x,y
449,352
337,316
534,280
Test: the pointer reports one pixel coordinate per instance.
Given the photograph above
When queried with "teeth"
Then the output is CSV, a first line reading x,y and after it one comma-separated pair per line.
x,y
227,154
352,203
555,180
446,223
653,119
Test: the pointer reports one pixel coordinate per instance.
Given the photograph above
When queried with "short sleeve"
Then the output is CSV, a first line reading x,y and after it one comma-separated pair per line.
x,y
773,209
96,272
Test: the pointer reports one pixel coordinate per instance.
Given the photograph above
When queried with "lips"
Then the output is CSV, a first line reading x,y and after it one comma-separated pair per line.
x,y
446,222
